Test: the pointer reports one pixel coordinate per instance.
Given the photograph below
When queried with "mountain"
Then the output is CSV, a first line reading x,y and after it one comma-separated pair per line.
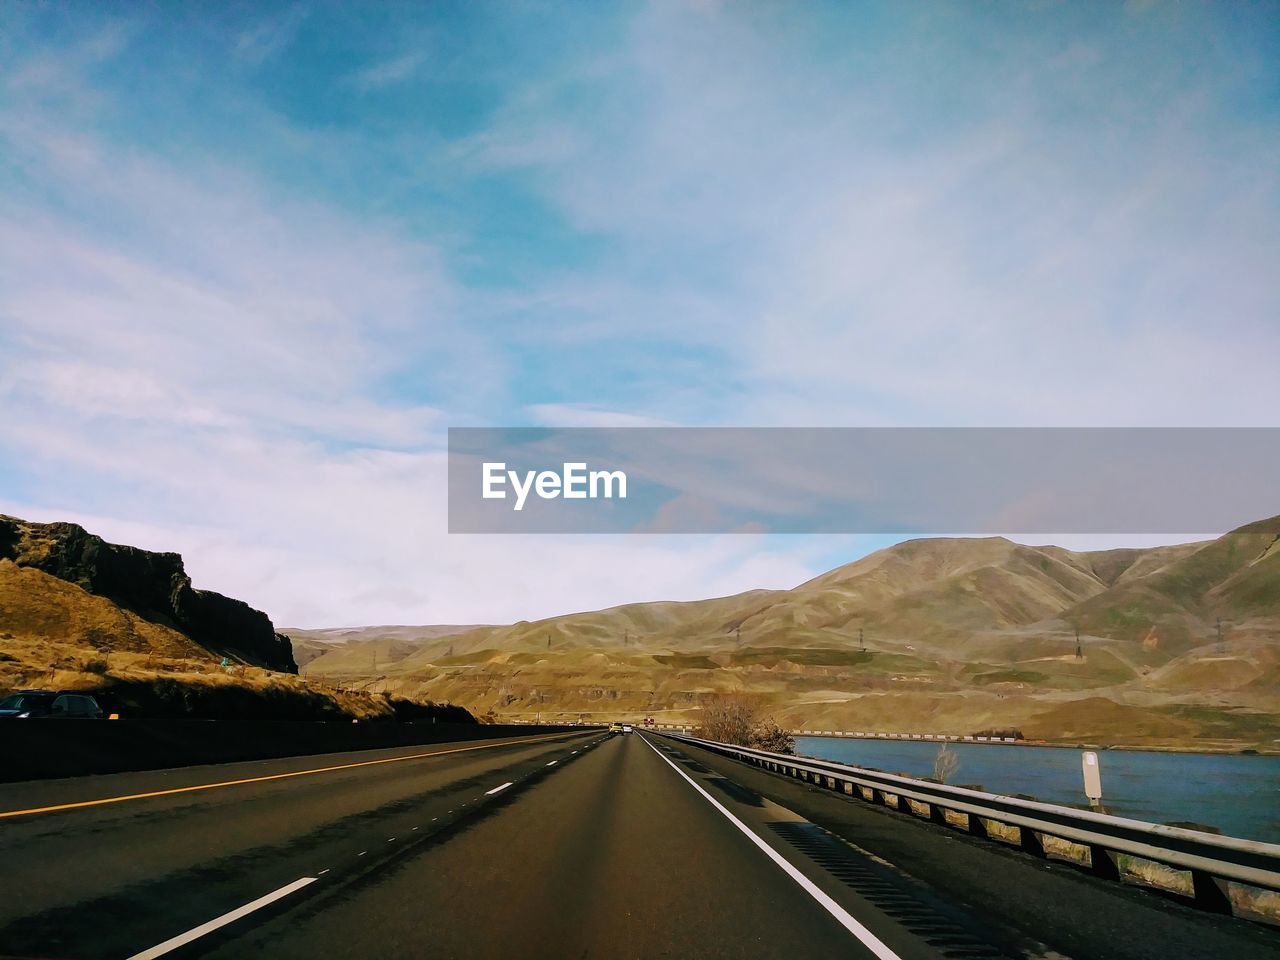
x,y
1176,646
36,606
79,613
154,587
363,646
1178,603
958,634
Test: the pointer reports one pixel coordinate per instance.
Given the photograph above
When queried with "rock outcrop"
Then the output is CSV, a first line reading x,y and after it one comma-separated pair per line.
x,y
155,586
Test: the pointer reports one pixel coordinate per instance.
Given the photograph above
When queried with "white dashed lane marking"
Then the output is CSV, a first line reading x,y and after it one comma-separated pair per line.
x,y
195,933
160,949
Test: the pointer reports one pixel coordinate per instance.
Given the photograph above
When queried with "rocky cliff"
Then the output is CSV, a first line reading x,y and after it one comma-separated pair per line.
x,y
155,586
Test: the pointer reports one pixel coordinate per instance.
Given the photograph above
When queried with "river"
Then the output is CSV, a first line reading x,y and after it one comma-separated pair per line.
x,y
1236,793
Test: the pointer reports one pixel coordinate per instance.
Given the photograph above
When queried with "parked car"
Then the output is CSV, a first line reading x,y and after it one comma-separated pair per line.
x,y
50,704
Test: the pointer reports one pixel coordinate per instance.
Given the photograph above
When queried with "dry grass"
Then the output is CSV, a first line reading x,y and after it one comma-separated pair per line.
x,y
1002,832
65,666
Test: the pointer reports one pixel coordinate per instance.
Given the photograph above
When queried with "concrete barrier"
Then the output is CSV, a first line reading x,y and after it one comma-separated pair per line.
x,y
45,749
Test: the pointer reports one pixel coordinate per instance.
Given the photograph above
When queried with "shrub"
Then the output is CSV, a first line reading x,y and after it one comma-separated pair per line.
x,y
769,736
728,719
945,763
733,718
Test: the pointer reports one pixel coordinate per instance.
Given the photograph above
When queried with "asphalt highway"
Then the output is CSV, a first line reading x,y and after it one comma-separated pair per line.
x,y
563,846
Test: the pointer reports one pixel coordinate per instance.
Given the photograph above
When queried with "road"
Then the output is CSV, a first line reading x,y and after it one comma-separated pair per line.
x,y
570,845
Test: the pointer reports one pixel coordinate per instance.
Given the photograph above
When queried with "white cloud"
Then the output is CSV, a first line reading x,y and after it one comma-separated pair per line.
x,y
193,358
388,72
587,415
270,37
205,375
1078,240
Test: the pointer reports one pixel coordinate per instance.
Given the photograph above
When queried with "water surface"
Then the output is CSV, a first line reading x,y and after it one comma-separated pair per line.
x,y
1238,794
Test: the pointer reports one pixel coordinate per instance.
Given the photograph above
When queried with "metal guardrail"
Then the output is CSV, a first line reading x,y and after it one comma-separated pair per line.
x,y
1210,859
873,735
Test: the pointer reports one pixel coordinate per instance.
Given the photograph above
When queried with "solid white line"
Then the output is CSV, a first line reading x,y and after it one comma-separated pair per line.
x,y
159,950
869,939
489,793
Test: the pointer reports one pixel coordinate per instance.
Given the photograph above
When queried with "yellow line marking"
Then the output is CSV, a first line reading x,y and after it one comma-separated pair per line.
x,y
273,776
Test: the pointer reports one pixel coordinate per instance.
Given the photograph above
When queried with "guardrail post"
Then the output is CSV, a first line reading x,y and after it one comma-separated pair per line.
x,y
937,814
1210,893
976,827
1030,842
1103,864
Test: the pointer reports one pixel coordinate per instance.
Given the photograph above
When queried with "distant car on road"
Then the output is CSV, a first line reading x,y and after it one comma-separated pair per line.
x,y
626,728
50,704
615,728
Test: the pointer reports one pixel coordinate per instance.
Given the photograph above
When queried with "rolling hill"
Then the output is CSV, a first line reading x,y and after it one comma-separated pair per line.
x,y
955,634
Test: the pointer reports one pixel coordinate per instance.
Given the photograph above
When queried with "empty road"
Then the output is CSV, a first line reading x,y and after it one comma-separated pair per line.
x,y
568,845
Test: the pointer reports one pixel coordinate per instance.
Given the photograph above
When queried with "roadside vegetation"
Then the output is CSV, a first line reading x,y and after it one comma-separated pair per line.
x,y
737,719
945,764
139,685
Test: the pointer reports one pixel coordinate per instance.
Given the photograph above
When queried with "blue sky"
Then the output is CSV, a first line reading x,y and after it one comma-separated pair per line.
x,y
255,259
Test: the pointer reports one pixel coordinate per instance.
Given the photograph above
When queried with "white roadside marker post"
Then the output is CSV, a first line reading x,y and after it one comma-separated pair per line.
x,y
1092,778
1100,860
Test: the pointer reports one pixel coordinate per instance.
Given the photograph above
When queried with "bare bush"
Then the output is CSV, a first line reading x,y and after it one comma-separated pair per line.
x,y
728,719
945,763
733,718
769,736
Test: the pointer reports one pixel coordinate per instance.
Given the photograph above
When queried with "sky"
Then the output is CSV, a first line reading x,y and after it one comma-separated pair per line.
x,y
255,260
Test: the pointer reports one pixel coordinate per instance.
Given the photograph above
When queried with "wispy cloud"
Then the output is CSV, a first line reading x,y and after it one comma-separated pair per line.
x,y
239,307
1039,239
586,415
388,72
270,37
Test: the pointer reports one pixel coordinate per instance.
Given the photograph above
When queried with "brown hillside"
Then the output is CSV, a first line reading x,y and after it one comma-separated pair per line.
x,y
960,634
